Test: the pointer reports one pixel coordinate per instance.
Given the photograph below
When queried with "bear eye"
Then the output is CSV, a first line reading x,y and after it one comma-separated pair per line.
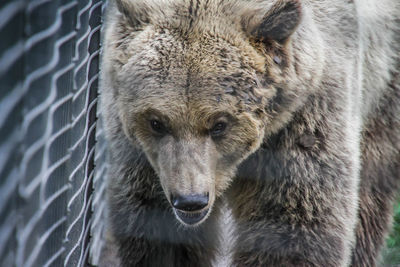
x,y
218,129
157,126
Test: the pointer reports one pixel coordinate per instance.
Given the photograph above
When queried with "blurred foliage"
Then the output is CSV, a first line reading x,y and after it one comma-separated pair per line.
x,y
391,254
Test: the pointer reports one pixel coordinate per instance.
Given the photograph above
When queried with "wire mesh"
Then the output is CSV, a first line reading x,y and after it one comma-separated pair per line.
x,y
49,61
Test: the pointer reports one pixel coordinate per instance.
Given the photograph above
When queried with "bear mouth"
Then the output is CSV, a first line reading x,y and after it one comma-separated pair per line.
x,y
191,217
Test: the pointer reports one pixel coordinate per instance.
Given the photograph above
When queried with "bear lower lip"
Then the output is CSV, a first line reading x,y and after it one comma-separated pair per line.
x,y
191,218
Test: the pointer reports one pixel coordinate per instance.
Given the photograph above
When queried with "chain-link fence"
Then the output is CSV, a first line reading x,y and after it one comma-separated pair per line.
x,y
49,61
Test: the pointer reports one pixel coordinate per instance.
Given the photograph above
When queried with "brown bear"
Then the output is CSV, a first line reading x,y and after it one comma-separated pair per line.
x,y
287,111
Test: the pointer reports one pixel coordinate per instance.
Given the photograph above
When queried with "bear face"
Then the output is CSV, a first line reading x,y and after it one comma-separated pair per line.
x,y
194,128
199,99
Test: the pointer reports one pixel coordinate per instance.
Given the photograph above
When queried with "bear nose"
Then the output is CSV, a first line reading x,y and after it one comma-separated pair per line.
x,y
189,202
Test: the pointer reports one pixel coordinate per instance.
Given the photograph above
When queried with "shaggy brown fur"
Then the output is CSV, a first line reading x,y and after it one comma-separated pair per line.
x,y
288,108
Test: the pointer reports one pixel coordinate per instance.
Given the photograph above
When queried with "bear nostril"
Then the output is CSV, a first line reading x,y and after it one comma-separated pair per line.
x,y
189,202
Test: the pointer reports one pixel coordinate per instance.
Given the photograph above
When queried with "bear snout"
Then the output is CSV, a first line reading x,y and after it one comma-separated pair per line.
x,y
190,209
193,202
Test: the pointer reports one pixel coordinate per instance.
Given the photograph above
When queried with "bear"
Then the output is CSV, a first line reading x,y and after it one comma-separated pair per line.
x,y
286,111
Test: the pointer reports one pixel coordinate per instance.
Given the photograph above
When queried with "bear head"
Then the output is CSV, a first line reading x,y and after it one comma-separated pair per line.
x,y
200,84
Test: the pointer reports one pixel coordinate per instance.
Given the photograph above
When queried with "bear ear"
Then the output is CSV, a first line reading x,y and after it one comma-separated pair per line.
x,y
280,22
135,15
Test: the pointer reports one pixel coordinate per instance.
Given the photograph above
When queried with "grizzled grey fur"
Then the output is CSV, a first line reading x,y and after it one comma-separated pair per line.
x,y
288,109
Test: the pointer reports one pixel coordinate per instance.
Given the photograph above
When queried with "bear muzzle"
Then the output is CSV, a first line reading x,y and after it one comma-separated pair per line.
x,y
190,209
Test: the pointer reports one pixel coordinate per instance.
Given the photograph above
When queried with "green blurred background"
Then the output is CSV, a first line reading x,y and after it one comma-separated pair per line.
x,y
391,255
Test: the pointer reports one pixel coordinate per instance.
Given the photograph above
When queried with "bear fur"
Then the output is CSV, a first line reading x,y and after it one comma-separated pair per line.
x,y
288,110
